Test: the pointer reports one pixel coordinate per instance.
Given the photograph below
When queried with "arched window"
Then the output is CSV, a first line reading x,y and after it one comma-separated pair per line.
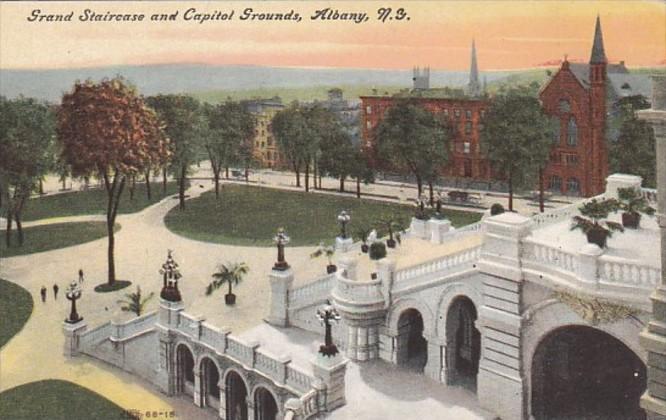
x,y
572,132
556,131
564,106
555,183
573,185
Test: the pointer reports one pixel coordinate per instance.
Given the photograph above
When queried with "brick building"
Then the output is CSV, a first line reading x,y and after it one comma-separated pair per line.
x,y
264,145
464,111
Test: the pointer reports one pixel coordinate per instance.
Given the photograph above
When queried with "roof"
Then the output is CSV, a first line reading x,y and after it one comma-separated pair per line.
x,y
598,53
582,71
631,85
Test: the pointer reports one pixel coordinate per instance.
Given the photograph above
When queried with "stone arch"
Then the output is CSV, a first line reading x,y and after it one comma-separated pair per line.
x,y
210,372
463,342
449,294
547,317
404,304
262,407
185,368
236,395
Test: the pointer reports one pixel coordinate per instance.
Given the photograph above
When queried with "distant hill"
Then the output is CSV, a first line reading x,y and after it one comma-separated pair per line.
x,y
50,84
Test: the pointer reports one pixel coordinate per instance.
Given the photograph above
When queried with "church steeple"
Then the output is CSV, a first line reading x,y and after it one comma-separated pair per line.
x,y
598,53
474,87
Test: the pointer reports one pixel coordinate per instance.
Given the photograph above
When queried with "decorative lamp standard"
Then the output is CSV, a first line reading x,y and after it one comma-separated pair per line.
x,y
281,239
343,219
170,276
73,293
326,316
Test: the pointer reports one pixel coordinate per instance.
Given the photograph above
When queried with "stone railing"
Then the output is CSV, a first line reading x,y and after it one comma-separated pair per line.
x,y
122,331
313,292
436,268
359,292
613,277
618,271
298,379
650,195
213,336
95,335
561,213
189,324
310,403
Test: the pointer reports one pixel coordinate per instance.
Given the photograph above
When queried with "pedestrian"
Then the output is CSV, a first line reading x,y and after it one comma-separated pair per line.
x,y
55,292
80,276
42,292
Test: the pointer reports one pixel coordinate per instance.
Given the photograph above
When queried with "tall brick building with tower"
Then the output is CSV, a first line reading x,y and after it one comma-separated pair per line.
x,y
576,98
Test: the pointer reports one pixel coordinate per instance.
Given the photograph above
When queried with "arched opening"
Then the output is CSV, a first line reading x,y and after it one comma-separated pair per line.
x,y
581,372
210,377
236,397
184,370
265,406
463,343
412,347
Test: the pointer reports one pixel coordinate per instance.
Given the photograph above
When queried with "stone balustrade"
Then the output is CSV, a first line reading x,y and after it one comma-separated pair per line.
x,y
618,271
125,330
435,269
95,335
358,292
317,290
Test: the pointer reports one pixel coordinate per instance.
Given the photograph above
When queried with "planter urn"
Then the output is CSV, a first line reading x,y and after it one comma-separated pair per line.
x,y
331,268
631,220
230,299
597,237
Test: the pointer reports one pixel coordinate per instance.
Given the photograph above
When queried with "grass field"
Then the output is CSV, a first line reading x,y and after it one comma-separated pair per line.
x,y
15,309
54,236
92,201
247,215
56,400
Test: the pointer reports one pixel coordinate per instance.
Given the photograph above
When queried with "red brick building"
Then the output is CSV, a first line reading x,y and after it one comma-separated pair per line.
x,y
464,115
576,97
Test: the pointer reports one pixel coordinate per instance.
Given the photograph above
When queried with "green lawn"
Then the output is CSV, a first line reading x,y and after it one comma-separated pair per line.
x,y
55,400
247,215
15,309
92,201
57,235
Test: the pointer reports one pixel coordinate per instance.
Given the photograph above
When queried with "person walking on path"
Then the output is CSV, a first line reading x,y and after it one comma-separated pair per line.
x,y
42,292
80,276
55,292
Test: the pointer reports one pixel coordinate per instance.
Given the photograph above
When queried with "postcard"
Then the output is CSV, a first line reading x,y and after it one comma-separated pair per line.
x,y
289,210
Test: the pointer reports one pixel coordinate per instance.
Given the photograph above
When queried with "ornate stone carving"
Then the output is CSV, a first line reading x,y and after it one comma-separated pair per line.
x,y
596,311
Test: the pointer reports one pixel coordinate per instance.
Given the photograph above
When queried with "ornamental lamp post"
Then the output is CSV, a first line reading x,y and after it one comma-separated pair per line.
x,y
170,276
281,239
327,315
73,293
343,219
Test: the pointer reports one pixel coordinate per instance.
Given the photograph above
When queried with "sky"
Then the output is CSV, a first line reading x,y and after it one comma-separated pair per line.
x,y
509,35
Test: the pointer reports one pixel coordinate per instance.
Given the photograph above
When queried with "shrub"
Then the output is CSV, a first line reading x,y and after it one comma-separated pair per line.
x,y
377,251
496,209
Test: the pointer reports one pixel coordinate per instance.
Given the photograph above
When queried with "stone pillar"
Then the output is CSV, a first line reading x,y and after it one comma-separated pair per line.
x,y
500,386
616,181
72,333
588,264
250,405
169,313
281,282
417,228
435,366
331,371
653,337
343,244
222,412
438,228
198,395
385,274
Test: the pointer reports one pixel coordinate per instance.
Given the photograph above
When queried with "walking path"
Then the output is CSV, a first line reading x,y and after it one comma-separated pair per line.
x,y
141,247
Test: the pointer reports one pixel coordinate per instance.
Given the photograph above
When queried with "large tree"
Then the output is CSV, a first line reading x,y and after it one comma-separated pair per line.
x,y
27,130
184,123
292,134
106,129
337,152
231,127
635,135
412,138
516,138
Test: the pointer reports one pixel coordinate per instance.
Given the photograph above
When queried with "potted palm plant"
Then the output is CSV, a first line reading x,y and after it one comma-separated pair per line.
x,y
592,223
393,228
230,274
632,203
362,234
328,251
134,302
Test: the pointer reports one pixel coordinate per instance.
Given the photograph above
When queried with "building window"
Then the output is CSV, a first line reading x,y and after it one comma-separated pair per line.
x,y
466,147
556,131
555,183
571,159
368,124
564,106
368,110
468,114
555,158
456,112
468,127
446,112
573,185
572,132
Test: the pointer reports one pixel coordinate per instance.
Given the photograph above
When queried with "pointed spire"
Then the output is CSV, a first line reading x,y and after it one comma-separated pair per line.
x,y
473,87
598,53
